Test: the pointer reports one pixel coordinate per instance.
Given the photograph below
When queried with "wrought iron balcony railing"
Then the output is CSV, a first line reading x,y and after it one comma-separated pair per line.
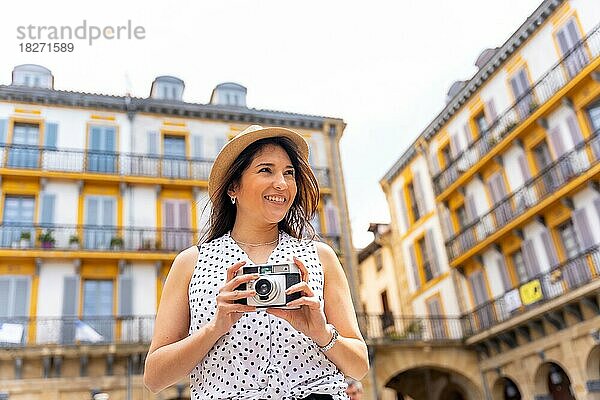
x,y
378,328
542,288
383,327
581,55
114,163
65,331
555,176
105,238
95,237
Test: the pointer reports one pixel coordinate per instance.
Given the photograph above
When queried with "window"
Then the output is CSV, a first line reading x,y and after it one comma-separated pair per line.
x,y
98,306
24,152
174,146
100,220
18,221
568,40
481,123
461,216
378,260
387,317
177,224
519,266
521,91
436,323
541,155
14,305
446,156
425,257
568,239
594,114
174,164
102,146
413,201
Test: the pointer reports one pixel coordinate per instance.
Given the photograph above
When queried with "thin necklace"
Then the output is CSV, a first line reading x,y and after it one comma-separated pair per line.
x,y
255,244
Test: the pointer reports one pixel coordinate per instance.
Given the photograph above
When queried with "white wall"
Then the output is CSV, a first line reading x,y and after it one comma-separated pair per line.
x,y
144,288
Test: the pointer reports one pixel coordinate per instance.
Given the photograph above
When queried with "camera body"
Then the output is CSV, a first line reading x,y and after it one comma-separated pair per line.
x,y
270,286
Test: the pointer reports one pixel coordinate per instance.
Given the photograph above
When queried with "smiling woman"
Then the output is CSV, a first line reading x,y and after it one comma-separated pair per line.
x,y
263,194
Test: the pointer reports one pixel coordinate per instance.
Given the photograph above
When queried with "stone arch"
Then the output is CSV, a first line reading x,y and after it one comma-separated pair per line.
x,y
498,390
541,377
592,364
441,382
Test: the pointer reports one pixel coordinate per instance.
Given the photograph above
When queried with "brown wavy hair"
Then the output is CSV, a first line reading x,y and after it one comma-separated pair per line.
x,y
297,220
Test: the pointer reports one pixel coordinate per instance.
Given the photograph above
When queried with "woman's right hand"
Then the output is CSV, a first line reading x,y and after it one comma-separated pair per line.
x,y
228,312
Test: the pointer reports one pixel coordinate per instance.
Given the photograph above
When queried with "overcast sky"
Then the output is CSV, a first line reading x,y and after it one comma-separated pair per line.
x,y
382,66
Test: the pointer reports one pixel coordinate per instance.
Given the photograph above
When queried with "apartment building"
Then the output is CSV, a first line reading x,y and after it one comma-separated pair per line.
x,y
98,195
495,224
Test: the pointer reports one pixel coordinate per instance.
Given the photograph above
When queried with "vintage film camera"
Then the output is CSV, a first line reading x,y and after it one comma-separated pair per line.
x,y
271,284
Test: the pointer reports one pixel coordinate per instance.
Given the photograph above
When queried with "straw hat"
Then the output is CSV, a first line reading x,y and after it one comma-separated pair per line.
x,y
235,146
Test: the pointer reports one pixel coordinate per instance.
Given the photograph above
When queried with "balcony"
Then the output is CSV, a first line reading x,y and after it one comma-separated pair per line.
x,y
96,238
384,328
547,183
541,92
565,278
94,163
69,331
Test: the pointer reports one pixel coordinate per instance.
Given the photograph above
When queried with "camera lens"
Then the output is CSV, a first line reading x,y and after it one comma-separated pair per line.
x,y
263,287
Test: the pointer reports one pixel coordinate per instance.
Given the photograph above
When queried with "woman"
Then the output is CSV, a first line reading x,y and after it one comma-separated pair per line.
x,y
263,194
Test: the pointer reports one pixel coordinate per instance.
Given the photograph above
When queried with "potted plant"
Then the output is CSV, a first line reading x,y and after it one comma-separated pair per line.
x,y
25,239
46,239
74,241
116,243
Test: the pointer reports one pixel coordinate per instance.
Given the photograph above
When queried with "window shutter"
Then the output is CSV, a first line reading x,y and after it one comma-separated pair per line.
x,y
490,112
4,296
454,146
524,168
47,215
184,215
597,205
50,135
582,226
108,211
468,134
433,308
562,41
530,259
478,286
576,135
92,211
153,143
109,139
432,252
169,214
502,268
219,143
446,222
497,188
95,138
403,209
435,163
557,142
420,196
331,218
70,296
3,129
125,295
197,150
21,293
470,208
549,247
415,266
69,308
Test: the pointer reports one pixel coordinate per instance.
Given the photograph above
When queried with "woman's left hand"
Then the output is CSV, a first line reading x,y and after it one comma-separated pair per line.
x,y
309,318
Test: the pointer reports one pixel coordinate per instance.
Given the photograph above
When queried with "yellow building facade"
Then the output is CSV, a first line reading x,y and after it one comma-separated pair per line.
x,y
495,221
98,193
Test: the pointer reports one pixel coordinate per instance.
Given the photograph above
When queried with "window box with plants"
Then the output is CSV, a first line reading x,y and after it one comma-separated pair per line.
x,y
116,243
46,239
25,239
74,242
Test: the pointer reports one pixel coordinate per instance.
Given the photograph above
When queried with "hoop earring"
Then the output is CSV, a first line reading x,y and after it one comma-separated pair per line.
x,y
232,200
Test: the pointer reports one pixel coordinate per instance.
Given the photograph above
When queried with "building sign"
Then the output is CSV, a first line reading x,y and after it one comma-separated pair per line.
x,y
531,292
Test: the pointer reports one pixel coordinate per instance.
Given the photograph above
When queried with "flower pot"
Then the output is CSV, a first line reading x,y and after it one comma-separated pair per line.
x,y
25,243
